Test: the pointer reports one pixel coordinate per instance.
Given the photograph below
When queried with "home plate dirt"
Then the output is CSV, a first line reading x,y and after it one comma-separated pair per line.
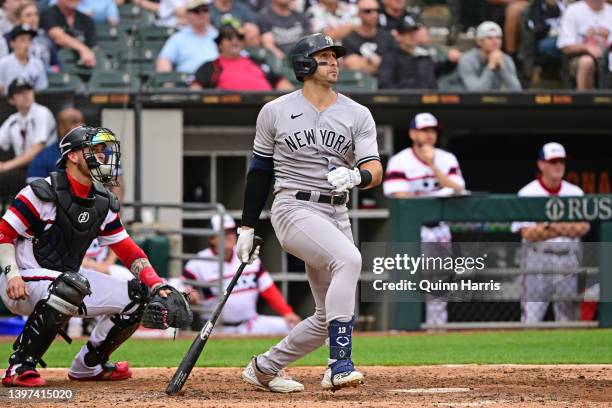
x,y
423,386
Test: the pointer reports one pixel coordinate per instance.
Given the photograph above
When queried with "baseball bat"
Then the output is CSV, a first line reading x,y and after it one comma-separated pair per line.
x,y
191,357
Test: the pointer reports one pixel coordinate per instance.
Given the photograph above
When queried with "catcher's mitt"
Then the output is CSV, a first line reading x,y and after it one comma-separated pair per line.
x,y
163,312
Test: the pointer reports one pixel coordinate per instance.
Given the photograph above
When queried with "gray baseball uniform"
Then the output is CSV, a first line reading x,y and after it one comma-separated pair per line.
x,y
305,145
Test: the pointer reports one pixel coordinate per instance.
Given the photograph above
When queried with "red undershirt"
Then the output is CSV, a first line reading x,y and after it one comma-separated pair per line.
x,y
127,250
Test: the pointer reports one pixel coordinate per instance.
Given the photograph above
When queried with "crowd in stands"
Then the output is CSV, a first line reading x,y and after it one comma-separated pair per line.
x,y
505,43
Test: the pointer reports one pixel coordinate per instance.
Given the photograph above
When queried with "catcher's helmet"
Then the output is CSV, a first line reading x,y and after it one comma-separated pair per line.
x,y
301,55
103,165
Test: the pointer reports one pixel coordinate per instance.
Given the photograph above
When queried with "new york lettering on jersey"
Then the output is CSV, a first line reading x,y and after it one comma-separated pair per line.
x,y
306,144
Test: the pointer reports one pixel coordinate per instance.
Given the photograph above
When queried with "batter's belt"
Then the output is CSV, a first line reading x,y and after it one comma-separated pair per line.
x,y
318,197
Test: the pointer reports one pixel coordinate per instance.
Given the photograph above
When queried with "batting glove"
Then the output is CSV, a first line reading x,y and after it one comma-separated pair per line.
x,y
244,245
343,178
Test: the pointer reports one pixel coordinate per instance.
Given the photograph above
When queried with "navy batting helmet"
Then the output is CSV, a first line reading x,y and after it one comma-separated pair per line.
x,y
301,55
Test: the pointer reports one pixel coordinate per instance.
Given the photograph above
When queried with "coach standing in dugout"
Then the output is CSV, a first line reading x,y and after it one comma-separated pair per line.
x,y
426,171
550,246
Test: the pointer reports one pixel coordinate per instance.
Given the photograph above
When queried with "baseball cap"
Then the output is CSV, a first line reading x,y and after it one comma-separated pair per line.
x,y
488,29
22,29
18,85
228,222
410,22
424,121
194,4
552,151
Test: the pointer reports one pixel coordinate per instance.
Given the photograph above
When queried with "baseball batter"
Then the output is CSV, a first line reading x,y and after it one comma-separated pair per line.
x,y
426,171
316,144
240,312
550,245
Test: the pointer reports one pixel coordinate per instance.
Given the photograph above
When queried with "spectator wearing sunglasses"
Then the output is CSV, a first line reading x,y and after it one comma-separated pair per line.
x,y
335,18
193,45
365,45
236,70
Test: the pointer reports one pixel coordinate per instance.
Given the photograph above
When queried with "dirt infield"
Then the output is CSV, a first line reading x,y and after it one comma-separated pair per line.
x,y
424,386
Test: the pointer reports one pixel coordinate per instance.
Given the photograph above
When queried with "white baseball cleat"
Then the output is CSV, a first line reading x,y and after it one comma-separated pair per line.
x,y
341,380
269,382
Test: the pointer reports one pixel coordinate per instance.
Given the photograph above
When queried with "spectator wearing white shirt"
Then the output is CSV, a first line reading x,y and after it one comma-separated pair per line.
x,y
585,37
172,13
336,18
28,130
20,64
42,46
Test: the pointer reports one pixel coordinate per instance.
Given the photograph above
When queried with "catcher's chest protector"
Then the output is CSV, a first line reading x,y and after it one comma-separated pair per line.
x,y
77,222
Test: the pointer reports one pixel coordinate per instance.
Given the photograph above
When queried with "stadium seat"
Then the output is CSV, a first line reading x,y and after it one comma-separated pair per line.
x,y
139,61
102,81
111,40
70,59
132,17
153,35
166,81
64,82
350,81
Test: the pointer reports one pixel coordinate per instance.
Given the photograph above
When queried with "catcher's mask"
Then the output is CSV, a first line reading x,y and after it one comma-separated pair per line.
x,y
100,148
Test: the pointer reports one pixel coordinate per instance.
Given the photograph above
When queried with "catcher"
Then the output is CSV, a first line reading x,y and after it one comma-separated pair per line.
x,y
43,238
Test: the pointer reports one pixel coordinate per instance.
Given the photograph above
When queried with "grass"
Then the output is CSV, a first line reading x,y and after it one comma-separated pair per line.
x,y
499,347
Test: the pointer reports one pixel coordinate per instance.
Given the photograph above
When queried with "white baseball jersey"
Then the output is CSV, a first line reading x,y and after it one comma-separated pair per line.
x,y
306,144
97,252
34,72
406,172
537,189
21,132
242,304
29,214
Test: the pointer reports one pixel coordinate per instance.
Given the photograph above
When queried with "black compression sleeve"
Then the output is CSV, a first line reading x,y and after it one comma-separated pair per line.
x,y
255,195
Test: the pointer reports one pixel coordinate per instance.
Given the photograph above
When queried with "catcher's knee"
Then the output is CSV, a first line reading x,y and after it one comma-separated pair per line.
x,y
124,325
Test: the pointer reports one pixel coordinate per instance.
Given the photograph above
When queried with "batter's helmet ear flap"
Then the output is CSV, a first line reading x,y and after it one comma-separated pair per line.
x,y
303,66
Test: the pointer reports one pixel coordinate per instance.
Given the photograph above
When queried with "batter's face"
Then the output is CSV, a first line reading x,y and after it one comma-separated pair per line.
x,y
327,67
427,136
553,170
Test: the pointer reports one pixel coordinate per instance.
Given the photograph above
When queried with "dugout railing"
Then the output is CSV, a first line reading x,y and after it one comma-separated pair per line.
x,y
408,215
146,220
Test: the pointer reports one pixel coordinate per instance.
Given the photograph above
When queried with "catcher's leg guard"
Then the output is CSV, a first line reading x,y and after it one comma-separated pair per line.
x,y
49,316
124,327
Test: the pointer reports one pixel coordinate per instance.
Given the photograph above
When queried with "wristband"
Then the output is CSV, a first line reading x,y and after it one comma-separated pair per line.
x,y
366,178
8,264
